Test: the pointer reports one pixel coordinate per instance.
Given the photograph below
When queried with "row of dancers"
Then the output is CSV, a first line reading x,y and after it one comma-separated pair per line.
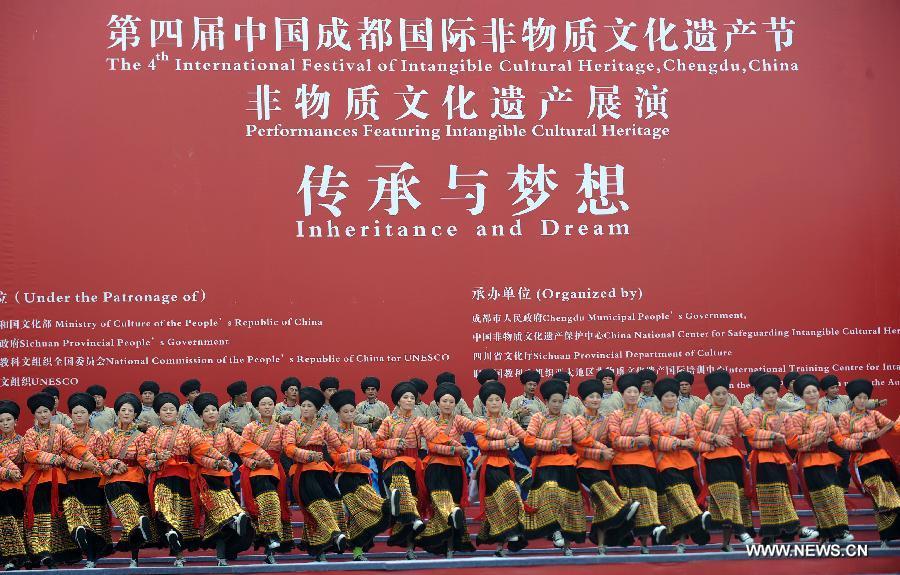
x,y
661,477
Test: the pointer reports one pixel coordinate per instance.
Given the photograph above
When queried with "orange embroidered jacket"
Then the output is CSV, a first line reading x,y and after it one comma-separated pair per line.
x,y
180,440
807,424
596,431
354,439
856,425
764,419
446,447
13,451
675,426
411,430
124,446
306,440
46,449
728,421
541,432
492,440
94,441
226,442
273,438
625,425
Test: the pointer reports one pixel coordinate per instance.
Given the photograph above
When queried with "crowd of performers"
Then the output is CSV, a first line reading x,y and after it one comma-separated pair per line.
x,y
643,458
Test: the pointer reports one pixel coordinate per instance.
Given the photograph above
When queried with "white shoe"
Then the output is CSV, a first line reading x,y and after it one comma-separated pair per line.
x,y
645,550
601,550
568,552
12,566
274,544
558,540
449,553
221,563
679,548
808,534
90,565
632,510
132,564
884,545
727,548
270,558
500,552
659,532
179,562
704,520
411,555
320,558
847,537
745,538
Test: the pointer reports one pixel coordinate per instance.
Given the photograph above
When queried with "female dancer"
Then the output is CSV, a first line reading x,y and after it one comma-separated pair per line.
x,y
177,490
323,513
86,497
631,429
679,481
555,492
398,438
445,476
49,528
770,467
718,427
124,457
502,510
228,528
872,465
13,554
264,488
368,514
612,516
819,478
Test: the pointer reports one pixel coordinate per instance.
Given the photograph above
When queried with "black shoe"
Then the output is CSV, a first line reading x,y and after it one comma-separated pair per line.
x,y
458,519
47,561
340,541
144,528
81,538
395,502
174,542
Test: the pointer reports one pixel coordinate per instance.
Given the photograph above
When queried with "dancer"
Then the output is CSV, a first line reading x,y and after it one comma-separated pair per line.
x,y
634,467
502,510
612,522
555,491
323,512
873,467
368,514
228,528
85,500
399,438
124,458
264,488
13,554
